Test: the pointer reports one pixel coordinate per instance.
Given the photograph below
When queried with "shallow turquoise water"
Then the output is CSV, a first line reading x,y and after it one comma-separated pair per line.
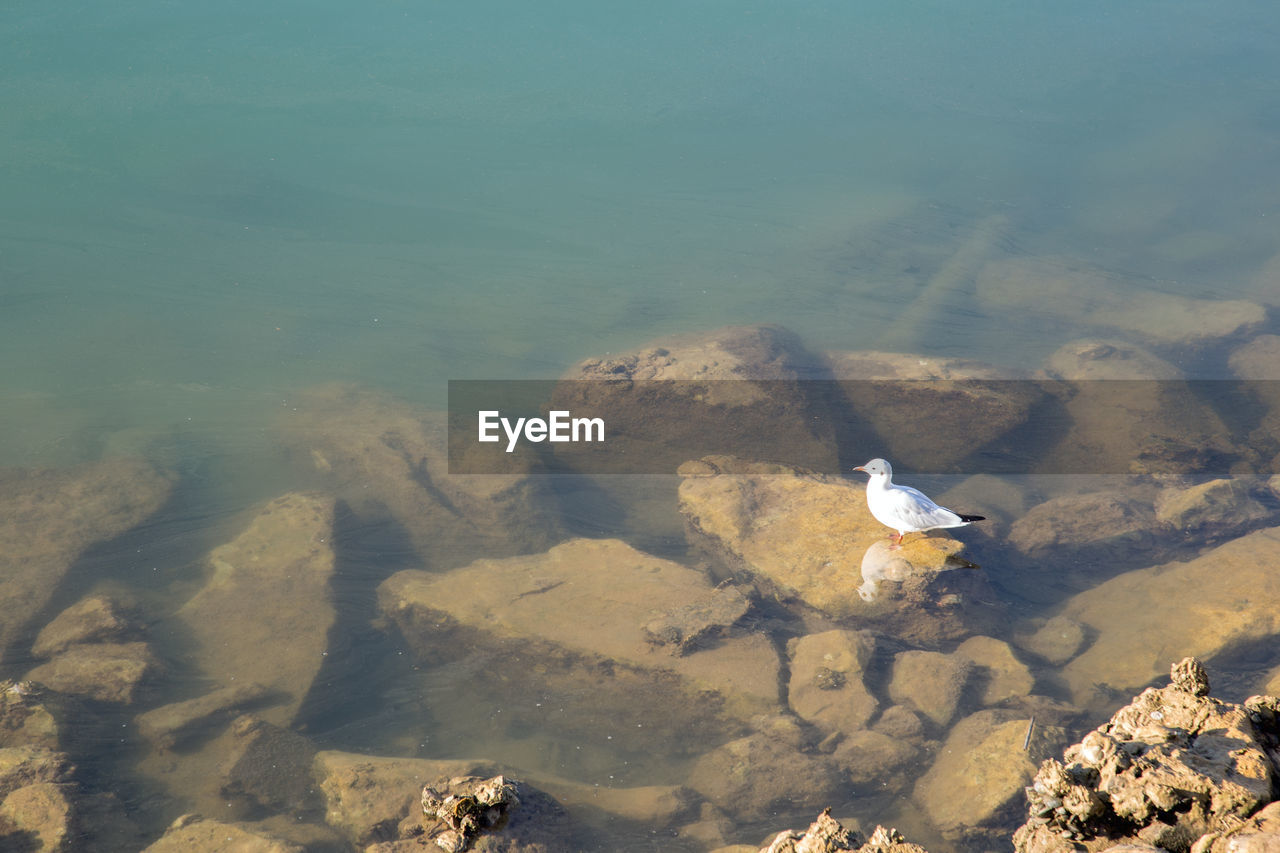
x,y
204,210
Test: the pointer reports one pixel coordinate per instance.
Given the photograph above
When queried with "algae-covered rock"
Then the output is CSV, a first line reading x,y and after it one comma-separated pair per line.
x,y
572,622
48,518
266,770
1227,596
29,715
1168,768
811,537
264,615
382,456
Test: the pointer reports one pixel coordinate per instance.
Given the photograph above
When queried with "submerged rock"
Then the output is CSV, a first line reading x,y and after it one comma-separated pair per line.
x,y
96,619
367,797
1075,292
36,806
267,770
48,518
105,672
170,725
753,777
29,715
1003,676
1170,767
382,456
932,413
265,613
980,772
1069,527
1131,413
826,687
1227,596
688,395
930,682
1218,508
572,622
812,537
192,832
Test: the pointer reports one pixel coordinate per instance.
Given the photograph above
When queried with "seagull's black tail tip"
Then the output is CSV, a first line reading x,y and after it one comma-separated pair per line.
x,y
973,518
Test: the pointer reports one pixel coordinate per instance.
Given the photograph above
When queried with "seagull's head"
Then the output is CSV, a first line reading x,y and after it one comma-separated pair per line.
x,y
877,468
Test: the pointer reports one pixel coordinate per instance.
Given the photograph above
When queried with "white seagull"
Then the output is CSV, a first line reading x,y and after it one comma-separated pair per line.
x,y
903,508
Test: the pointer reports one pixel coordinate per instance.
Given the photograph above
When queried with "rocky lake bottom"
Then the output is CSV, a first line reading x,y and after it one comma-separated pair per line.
x,y
692,661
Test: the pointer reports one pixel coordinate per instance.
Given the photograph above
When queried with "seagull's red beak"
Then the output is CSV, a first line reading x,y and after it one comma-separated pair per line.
x,y
859,468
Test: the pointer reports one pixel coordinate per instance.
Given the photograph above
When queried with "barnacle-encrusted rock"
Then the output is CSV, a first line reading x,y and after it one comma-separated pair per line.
x,y
467,807
824,835
1170,767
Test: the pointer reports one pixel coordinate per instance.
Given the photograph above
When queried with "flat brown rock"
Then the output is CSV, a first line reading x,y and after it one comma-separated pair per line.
x,y
1229,595
49,517
812,537
582,603
264,615
106,672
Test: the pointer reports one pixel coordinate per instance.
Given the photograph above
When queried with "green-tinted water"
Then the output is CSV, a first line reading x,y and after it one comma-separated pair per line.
x,y
205,211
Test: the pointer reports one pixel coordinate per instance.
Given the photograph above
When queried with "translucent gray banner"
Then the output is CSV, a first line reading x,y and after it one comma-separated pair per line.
x,y
1194,427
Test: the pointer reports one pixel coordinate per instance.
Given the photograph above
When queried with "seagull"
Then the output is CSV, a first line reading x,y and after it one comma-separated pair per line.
x,y
903,508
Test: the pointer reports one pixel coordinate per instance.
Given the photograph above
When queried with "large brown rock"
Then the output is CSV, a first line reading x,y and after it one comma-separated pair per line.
x,y
740,387
105,672
977,779
1201,607
36,805
573,621
96,619
265,613
48,518
383,457
1130,413
1077,293
932,413
192,832
1095,524
826,687
930,682
1171,766
811,537
754,776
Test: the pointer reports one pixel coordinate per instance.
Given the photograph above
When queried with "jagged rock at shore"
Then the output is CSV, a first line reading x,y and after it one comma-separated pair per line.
x,y
828,835
381,456
1171,767
264,615
811,537
681,397
931,413
48,518
572,622
30,715
1228,595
